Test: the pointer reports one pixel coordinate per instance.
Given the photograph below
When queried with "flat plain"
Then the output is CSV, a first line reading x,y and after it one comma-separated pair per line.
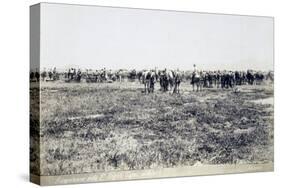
x,y
96,127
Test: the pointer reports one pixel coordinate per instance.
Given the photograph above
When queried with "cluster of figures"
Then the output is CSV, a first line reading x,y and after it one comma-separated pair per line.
x,y
50,75
104,75
169,79
99,75
226,79
73,75
34,76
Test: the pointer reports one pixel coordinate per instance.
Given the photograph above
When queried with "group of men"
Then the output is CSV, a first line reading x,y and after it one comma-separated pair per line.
x,y
104,75
168,79
51,74
74,75
98,75
225,79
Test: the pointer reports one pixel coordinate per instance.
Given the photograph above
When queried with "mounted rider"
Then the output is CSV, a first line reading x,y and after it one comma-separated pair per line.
x,y
195,74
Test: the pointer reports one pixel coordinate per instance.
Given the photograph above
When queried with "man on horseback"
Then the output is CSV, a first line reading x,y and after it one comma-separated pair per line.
x,y
194,73
195,79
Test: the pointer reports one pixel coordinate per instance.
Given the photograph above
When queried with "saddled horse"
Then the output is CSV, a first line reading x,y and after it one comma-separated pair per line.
x,y
166,80
259,77
121,74
163,79
170,80
250,77
238,78
270,76
148,79
176,81
197,80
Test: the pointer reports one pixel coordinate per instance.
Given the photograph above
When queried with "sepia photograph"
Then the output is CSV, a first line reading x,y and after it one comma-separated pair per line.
x,y
125,93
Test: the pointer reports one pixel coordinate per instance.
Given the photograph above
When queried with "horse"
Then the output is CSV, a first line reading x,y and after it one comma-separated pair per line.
x,y
148,79
167,80
218,79
198,80
121,74
176,81
259,77
132,75
270,76
44,75
250,77
227,79
238,78
170,76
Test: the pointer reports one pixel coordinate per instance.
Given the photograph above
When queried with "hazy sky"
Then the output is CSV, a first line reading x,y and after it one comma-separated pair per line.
x,y
97,37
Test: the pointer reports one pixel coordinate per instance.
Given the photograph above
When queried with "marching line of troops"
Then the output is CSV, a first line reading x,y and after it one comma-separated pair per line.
x,y
168,79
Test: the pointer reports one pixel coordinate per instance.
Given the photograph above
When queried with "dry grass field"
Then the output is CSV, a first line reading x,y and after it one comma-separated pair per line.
x,y
115,126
